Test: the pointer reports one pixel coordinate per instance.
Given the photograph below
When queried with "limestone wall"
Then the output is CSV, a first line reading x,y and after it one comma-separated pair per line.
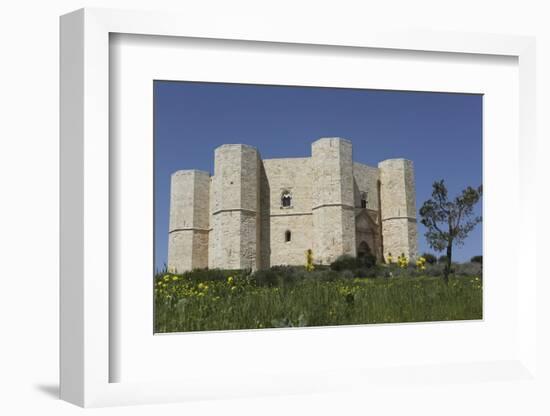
x,y
332,199
288,175
366,180
398,208
180,251
400,236
293,251
235,208
189,220
293,175
226,241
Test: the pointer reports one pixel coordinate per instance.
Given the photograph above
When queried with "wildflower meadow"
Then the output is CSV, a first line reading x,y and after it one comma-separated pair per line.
x,y
284,296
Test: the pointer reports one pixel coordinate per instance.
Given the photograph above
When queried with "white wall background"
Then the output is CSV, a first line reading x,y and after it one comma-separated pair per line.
x,y
29,190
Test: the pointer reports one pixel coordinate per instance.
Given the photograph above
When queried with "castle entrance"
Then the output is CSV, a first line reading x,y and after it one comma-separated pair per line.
x,y
363,249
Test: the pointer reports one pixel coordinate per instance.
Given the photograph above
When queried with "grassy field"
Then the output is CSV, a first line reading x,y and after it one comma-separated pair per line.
x,y
224,300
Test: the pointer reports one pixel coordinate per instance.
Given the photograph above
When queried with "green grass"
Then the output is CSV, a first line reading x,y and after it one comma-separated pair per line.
x,y
205,301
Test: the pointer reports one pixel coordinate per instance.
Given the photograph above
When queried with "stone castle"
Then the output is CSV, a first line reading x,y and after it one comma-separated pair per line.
x,y
256,213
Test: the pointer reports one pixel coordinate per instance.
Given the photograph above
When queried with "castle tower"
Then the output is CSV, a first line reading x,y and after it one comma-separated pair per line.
x,y
332,199
398,208
235,208
189,220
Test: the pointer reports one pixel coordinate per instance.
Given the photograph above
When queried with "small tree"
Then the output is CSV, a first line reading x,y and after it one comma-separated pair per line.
x,y
449,222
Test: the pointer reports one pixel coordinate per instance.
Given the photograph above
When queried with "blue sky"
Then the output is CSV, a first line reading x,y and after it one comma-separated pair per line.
x,y
440,132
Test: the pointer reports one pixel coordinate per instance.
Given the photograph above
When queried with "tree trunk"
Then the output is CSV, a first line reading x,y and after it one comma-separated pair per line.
x,y
447,269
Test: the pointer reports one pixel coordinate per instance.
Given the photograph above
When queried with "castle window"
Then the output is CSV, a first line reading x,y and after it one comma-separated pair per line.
x,y
286,199
288,236
363,199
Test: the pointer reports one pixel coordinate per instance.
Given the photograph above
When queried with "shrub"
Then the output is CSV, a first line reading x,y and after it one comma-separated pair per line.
x,y
442,259
368,260
477,259
435,270
324,275
347,274
371,272
266,277
430,258
288,274
467,269
279,275
346,262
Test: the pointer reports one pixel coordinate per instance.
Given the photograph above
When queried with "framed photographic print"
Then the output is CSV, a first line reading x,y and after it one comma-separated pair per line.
x,y
290,212
320,238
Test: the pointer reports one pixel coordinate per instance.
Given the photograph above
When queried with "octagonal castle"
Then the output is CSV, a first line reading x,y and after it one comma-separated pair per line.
x,y
256,213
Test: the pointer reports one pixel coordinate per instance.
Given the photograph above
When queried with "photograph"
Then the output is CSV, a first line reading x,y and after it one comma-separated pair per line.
x,y
280,206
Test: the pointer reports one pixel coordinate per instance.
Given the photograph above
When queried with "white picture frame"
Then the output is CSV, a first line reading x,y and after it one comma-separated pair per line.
x,y
86,356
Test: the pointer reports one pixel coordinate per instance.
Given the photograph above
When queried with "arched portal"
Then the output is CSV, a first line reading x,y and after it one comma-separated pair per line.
x,y
363,249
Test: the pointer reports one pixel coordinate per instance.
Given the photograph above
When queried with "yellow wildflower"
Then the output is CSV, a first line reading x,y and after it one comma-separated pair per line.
x,y
309,260
421,263
402,261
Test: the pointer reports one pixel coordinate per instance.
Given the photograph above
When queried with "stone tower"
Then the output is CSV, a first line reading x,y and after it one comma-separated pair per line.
x,y
332,199
189,220
398,208
235,216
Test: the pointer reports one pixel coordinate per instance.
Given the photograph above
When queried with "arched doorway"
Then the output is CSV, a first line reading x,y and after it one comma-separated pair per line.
x,y
363,249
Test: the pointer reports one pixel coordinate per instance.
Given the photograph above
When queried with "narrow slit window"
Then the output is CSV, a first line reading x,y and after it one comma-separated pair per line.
x,y
288,236
363,199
